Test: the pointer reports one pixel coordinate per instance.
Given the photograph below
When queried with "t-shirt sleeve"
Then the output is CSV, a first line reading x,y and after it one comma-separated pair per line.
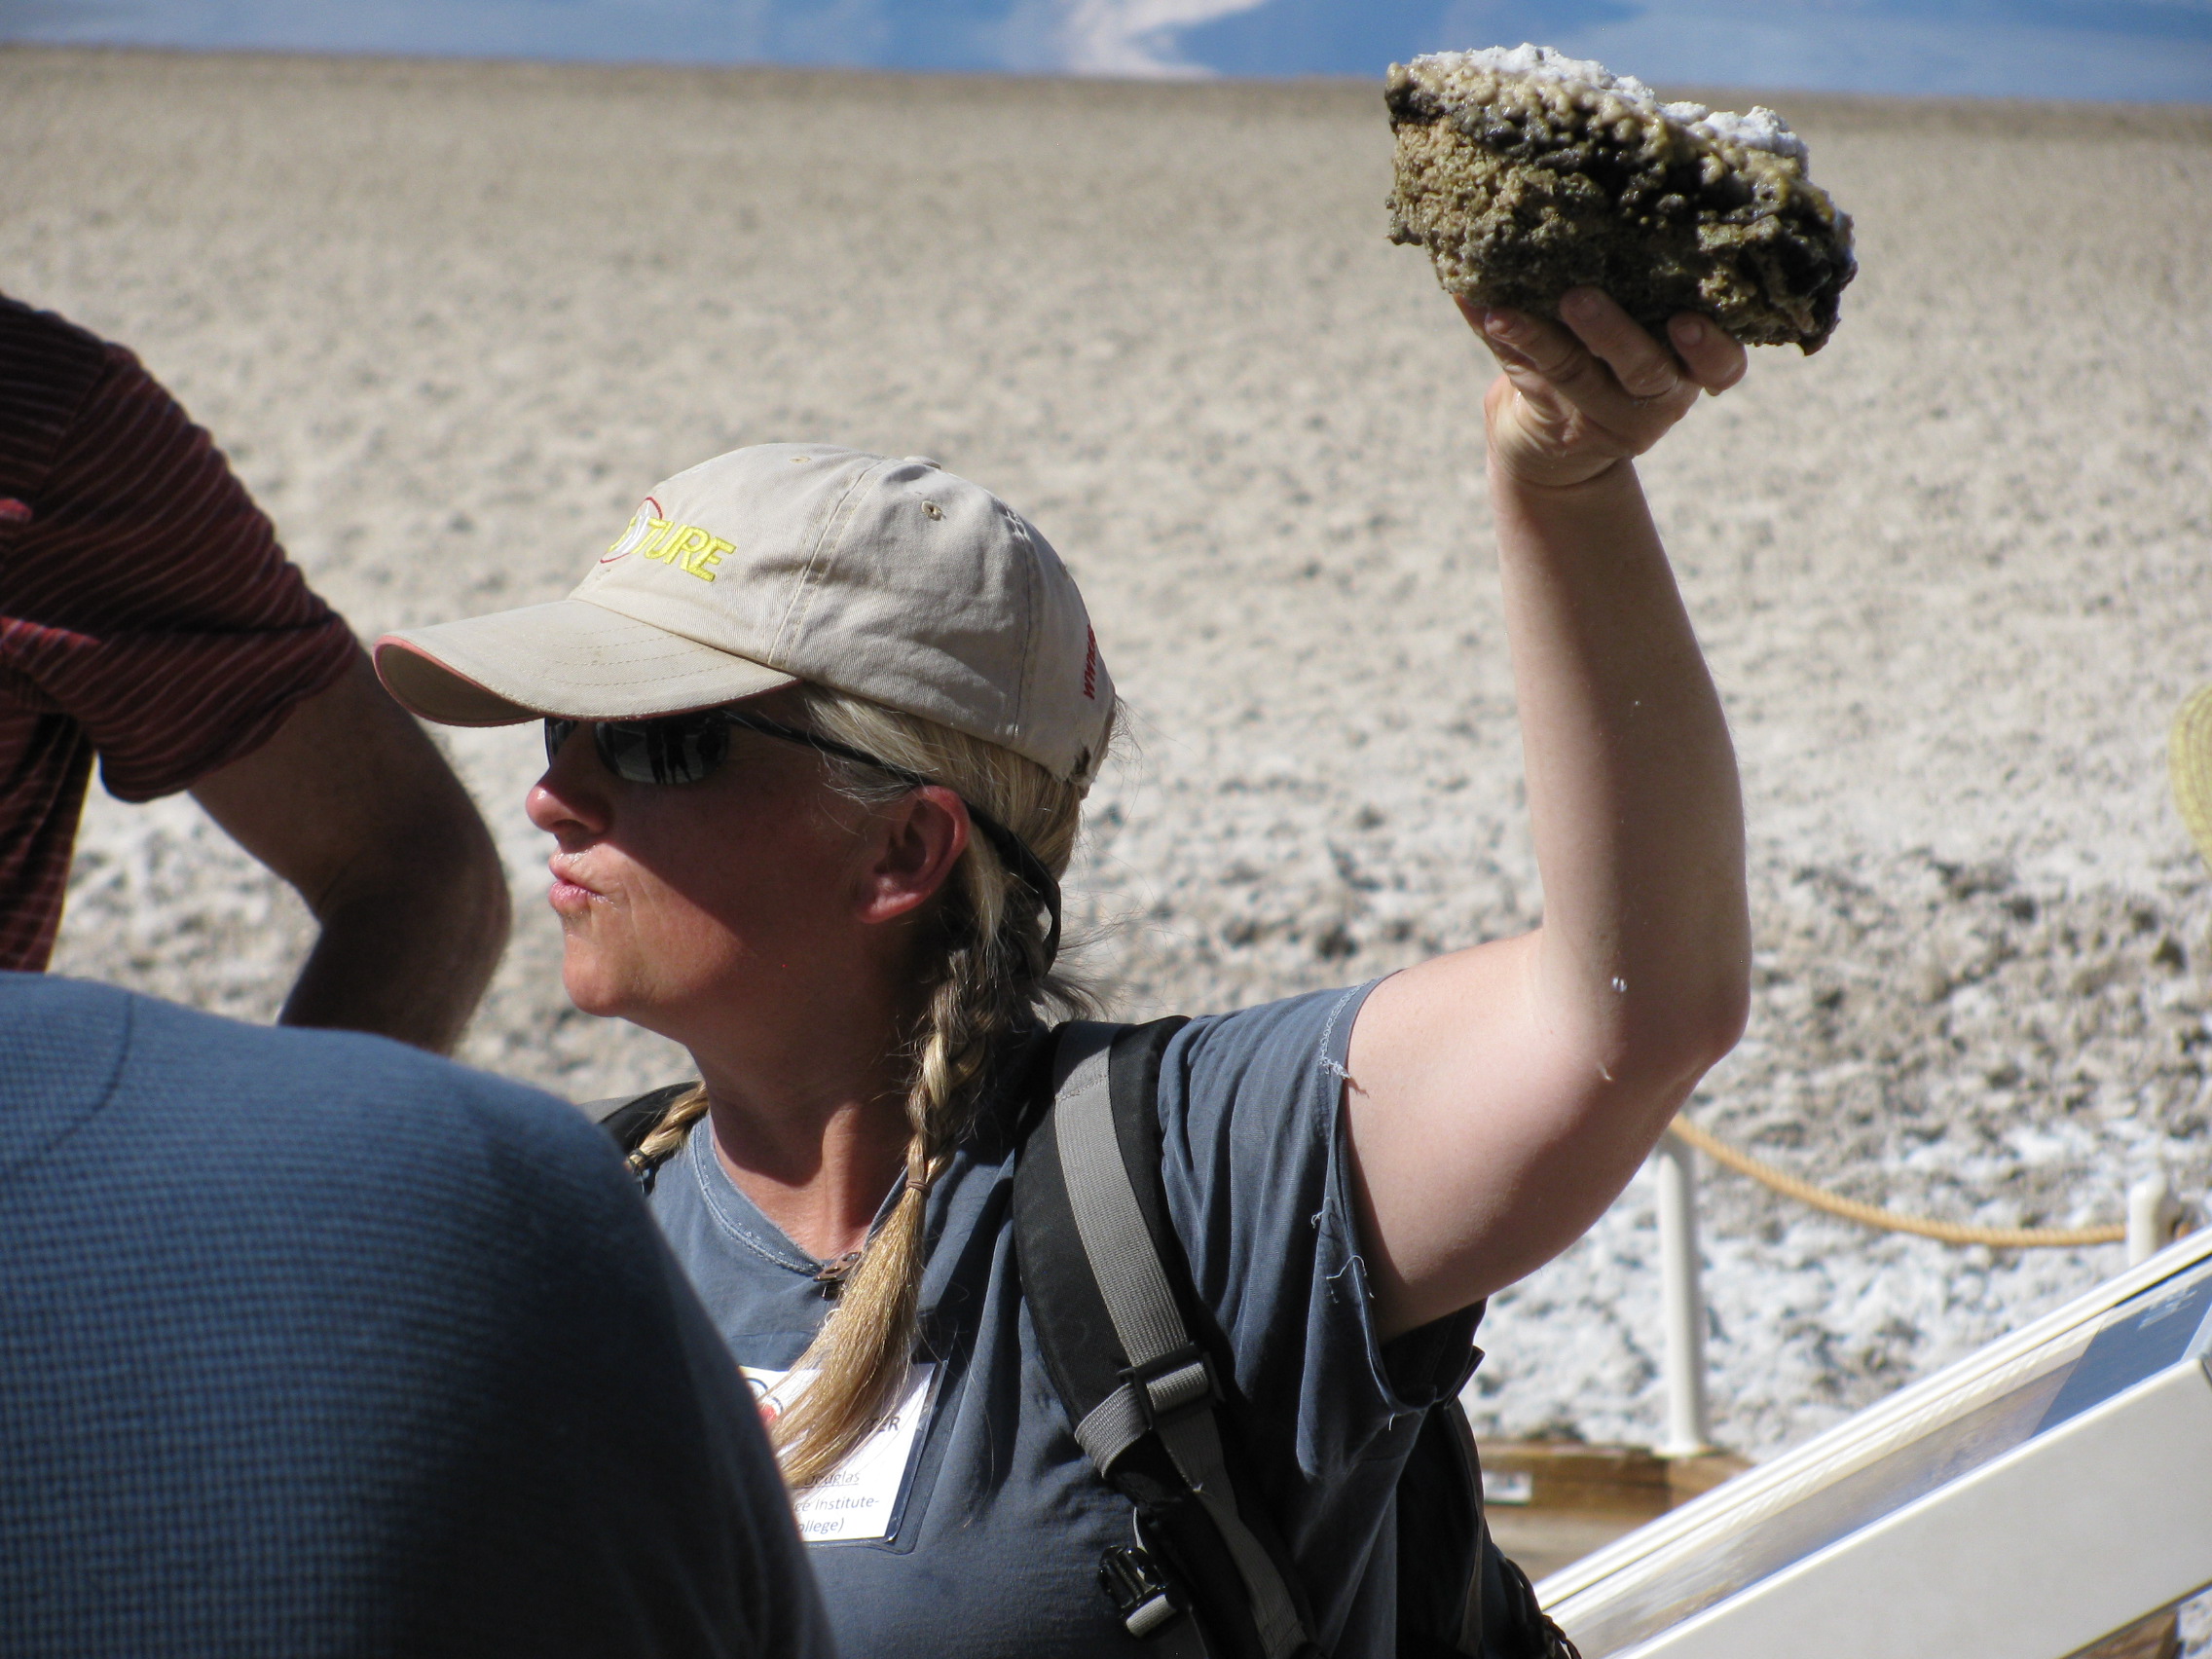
x,y
148,597
1259,1188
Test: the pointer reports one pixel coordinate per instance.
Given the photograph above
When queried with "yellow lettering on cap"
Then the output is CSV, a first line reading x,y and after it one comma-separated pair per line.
x,y
694,551
656,534
686,540
702,563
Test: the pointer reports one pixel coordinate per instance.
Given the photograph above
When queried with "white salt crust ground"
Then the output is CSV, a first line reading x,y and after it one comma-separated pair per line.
x,y
451,321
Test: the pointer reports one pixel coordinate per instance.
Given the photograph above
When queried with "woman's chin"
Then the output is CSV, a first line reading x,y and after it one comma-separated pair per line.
x,y
599,1008
592,990
610,996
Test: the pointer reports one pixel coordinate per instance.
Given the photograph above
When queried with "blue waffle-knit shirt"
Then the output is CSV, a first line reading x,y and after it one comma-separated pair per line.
x,y
314,1344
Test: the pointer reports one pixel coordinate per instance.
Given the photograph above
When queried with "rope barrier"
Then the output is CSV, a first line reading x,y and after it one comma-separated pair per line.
x,y
1874,1215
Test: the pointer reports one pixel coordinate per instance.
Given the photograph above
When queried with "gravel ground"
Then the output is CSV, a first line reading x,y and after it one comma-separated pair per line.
x,y
452,320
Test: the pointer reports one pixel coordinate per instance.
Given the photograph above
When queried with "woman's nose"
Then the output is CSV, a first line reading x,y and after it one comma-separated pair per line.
x,y
570,802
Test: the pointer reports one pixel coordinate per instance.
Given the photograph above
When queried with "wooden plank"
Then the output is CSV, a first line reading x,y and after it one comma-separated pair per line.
x,y
2158,1637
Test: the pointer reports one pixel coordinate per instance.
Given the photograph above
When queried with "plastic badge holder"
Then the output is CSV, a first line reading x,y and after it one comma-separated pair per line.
x,y
2021,1504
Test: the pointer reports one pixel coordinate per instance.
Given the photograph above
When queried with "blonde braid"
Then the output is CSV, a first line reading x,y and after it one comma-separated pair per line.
x,y
674,1126
862,1349
989,979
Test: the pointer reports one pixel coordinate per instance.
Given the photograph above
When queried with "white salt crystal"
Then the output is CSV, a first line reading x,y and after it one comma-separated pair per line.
x,y
1759,129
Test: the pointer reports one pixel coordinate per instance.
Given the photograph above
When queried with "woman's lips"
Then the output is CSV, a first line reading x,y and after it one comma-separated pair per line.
x,y
569,894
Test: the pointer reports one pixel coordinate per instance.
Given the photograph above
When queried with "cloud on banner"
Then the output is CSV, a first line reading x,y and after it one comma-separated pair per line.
x,y
2150,50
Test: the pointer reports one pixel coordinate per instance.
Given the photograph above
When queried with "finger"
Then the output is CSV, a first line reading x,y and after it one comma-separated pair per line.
x,y
1544,361
1713,360
1647,370
1482,319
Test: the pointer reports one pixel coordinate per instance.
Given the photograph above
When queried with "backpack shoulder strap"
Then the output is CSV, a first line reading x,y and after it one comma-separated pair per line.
x,y
1106,1287
629,1122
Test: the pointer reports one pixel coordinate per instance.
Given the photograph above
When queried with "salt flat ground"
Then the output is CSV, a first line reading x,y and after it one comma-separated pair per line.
x,y
453,320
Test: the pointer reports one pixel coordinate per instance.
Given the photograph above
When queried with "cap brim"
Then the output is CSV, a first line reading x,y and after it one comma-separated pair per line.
x,y
571,658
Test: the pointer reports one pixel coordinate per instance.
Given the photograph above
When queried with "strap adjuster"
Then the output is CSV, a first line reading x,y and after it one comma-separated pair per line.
x,y
1145,1599
1172,1386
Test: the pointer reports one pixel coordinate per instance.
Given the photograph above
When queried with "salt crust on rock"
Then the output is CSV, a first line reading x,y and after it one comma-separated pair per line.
x,y
1525,172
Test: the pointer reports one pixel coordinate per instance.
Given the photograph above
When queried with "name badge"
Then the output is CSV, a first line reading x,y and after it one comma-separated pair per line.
x,y
856,1501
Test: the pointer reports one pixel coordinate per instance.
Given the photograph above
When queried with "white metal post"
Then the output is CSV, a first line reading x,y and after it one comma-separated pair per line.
x,y
1688,1433
2152,1218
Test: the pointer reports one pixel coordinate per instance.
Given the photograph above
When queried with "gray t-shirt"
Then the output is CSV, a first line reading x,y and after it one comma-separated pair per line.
x,y
992,1519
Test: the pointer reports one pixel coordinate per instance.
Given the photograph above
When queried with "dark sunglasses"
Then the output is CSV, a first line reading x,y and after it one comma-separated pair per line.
x,y
687,748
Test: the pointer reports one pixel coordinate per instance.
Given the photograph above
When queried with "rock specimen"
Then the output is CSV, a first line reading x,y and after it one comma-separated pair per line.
x,y
1525,172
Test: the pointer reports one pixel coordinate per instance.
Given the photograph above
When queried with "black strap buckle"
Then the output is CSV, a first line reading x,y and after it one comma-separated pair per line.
x,y
1174,1385
1133,1582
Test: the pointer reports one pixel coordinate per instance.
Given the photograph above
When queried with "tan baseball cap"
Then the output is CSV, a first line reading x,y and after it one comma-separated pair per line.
x,y
889,579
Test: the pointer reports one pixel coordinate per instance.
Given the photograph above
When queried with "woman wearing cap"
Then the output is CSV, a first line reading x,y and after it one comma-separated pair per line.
x,y
836,888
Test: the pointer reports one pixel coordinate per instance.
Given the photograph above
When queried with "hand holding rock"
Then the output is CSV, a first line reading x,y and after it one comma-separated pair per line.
x,y
1575,400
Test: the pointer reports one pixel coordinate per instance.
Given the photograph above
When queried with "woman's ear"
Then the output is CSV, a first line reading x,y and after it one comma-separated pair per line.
x,y
916,844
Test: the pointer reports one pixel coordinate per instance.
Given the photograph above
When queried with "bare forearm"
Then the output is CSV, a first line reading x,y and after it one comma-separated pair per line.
x,y
350,803
1633,795
408,961
1505,1094
1502,1096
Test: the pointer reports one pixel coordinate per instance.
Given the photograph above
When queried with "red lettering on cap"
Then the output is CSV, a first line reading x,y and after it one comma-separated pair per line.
x,y
1090,663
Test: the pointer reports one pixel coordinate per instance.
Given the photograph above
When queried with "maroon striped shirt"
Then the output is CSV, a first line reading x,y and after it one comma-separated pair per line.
x,y
147,614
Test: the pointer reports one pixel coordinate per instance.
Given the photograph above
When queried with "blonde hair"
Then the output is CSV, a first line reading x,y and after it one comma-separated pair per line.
x,y
986,977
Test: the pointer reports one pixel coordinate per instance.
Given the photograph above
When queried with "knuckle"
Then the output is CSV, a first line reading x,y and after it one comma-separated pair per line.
x,y
1648,379
1574,369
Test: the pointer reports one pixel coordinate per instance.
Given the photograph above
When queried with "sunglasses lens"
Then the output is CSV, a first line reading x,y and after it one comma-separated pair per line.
x,y
682,748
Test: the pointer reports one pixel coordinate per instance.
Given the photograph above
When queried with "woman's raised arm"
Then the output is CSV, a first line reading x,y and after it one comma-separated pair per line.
x,y
1501,1097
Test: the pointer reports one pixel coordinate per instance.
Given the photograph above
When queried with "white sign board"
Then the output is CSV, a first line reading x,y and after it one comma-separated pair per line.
x,y
2021,1504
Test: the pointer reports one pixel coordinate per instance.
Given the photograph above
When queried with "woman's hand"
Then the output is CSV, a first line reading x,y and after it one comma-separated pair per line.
x,y
1575,400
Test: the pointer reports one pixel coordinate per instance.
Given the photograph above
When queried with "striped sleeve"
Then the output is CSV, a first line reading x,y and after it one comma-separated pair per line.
x,y
147,599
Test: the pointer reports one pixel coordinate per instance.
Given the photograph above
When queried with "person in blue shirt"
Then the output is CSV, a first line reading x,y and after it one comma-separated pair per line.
x,y
313,1345
819,725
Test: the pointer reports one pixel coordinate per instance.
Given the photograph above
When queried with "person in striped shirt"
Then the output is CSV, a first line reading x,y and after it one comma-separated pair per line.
x,y
149,619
